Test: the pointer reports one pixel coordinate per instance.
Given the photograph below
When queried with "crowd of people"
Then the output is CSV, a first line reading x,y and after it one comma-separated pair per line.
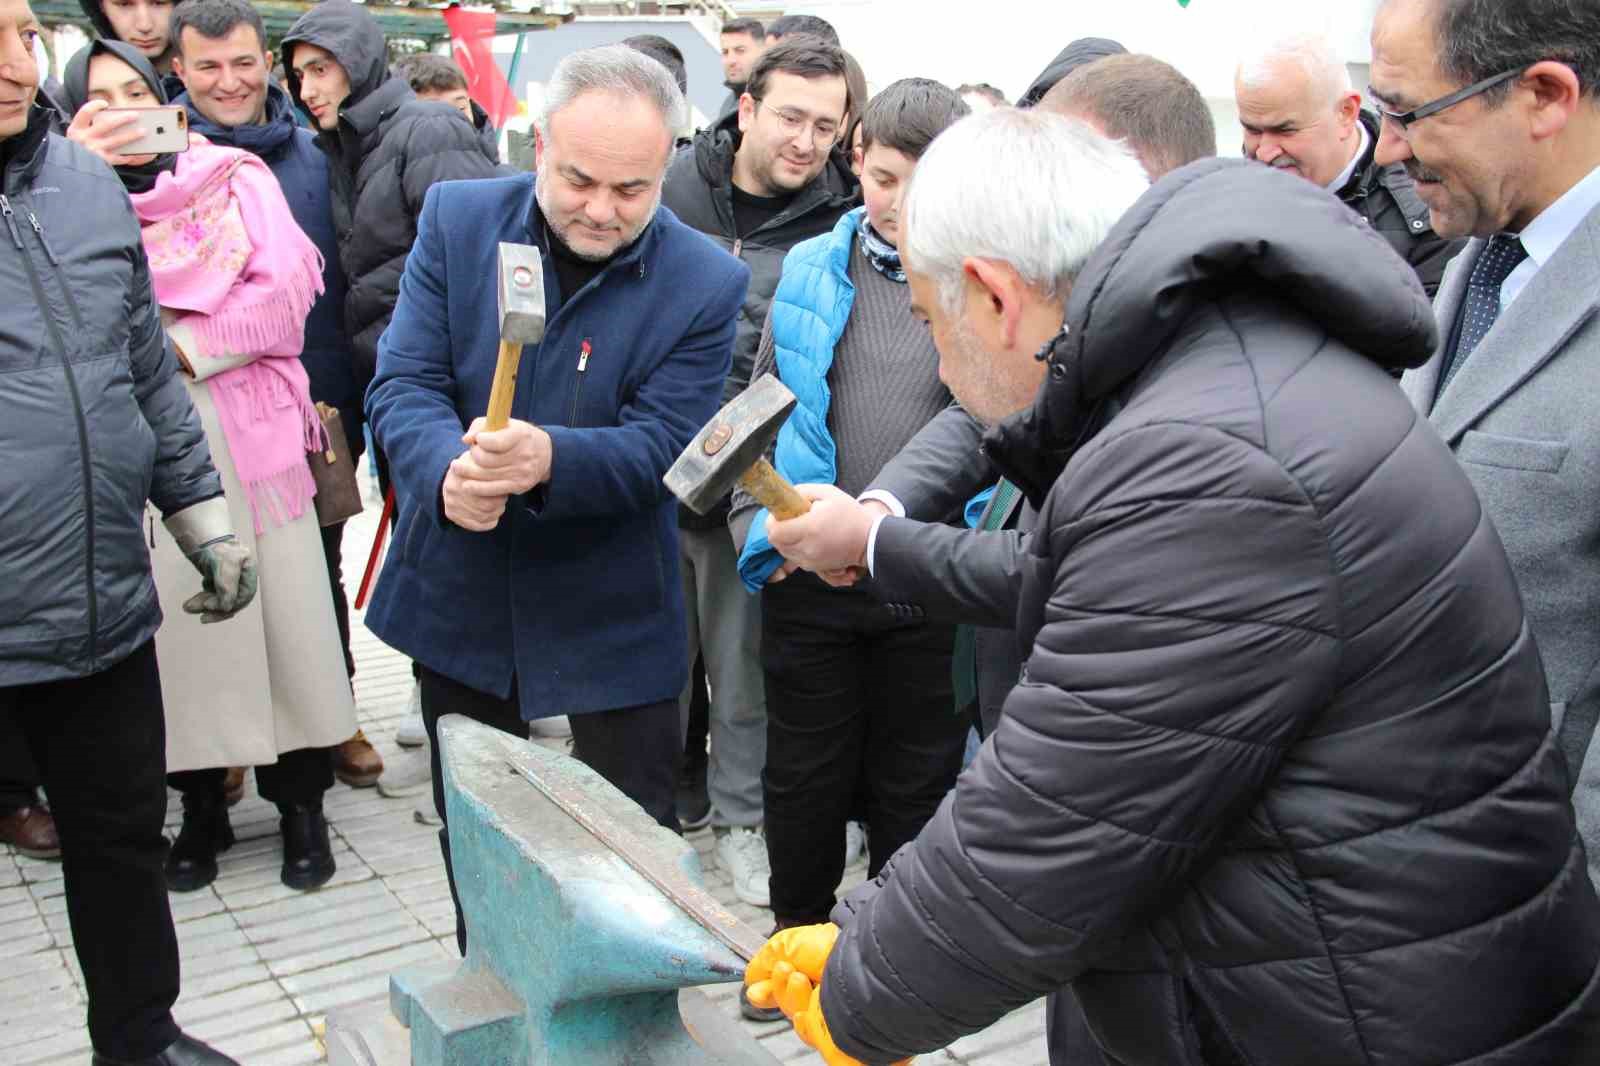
x,y
1153,648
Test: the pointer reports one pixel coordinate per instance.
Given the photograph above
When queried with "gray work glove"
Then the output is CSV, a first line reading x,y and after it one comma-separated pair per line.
x,y
204,533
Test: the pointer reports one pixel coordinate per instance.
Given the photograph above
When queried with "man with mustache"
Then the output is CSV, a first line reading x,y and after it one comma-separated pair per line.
x,y
535,571
1493,107
760,181
1301,115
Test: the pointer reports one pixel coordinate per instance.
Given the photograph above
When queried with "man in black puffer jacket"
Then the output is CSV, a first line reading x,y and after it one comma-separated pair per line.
x,y
387,149
1279,784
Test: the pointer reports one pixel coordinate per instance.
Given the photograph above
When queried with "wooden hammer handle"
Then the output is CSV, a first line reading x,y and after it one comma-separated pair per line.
x,y
773,492
505,385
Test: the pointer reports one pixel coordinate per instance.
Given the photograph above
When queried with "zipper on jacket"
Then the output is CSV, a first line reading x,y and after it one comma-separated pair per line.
x,y
49,252
77,403
583,368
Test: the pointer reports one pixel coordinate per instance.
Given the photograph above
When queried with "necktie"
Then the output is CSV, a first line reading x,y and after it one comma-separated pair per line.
x,y
964,657
1482,304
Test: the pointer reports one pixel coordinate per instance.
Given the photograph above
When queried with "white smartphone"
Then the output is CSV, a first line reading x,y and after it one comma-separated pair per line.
x,y
165,129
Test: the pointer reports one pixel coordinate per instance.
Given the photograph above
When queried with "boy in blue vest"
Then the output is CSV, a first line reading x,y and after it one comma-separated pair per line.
x,y
856,695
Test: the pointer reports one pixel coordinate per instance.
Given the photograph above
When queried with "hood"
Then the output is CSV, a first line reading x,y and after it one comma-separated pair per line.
x,y
714,148
95,12
351,35
1176,249
75,79
1079,53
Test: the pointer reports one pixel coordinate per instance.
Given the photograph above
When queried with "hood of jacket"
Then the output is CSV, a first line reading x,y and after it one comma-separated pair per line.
x,y
1079,53
1175,251
715,146
95,12
75,79
352,36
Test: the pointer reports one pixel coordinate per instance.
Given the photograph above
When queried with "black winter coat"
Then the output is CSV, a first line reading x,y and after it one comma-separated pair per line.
x,y
94,419
1278,785
387,151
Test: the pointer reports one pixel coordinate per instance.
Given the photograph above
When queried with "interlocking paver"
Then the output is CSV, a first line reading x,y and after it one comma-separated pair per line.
x,y
263,964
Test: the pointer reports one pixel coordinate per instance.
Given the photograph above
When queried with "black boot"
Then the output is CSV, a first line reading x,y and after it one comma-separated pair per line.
x,y
184,1051
307,855
192,862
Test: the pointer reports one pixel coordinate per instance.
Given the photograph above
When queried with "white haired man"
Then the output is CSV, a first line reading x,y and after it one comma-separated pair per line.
x,y
1279,686
1301,114
556,530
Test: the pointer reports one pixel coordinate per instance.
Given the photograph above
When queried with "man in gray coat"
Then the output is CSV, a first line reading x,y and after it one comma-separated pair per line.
x,y
94,403
1492,108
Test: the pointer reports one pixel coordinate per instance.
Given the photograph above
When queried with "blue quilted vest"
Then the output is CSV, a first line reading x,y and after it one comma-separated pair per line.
x,y
809,312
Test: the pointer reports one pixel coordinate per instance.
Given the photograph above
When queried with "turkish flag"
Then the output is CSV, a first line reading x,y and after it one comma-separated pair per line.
x,y
470,34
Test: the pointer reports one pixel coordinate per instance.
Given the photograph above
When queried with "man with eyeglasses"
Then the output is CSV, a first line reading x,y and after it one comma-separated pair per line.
x,y
761,180
1492,108
1301,115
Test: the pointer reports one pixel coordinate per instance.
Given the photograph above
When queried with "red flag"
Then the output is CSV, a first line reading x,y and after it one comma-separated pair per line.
x,y
470,34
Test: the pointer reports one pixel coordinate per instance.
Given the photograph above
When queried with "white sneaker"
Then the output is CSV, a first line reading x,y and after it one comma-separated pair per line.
x,y
855,844
411,734
406,774
424,812
743,853
557,728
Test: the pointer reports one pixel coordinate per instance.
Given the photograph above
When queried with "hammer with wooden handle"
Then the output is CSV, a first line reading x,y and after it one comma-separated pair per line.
x,y
522,317
731,450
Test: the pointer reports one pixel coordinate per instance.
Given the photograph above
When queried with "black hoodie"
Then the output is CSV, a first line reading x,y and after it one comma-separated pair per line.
x,y
387,151
1079,53
94,11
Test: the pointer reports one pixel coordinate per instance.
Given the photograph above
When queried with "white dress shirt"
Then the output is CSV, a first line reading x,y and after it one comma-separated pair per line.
x,y
1542,236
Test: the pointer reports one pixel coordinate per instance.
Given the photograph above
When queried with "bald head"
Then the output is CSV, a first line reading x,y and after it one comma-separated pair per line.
x,y
1298,109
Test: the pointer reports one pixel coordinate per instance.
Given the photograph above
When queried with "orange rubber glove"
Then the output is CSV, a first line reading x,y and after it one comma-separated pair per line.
x,y
787,973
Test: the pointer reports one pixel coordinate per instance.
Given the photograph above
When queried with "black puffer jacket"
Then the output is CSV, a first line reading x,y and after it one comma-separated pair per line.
x,y
387,151
1278,785
93,416
1079,53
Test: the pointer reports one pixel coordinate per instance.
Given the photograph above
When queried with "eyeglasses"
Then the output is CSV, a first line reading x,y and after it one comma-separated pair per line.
x,y
1400,121
793,124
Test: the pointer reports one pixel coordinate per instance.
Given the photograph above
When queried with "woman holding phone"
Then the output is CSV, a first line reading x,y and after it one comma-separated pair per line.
x,y
235,278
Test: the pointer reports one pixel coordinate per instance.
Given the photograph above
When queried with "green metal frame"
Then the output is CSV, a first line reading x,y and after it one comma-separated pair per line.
x,y
417,23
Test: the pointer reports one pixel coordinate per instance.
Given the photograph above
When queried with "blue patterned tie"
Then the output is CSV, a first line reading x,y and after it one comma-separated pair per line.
x,y
1482,304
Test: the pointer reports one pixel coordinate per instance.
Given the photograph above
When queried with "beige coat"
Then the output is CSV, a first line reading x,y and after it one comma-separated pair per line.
x,y
272,678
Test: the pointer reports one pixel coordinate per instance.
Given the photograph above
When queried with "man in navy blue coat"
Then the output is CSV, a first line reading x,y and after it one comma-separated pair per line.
x,y
535,572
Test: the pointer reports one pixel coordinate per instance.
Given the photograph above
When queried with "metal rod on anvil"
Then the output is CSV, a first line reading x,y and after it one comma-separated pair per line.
x,y
693,900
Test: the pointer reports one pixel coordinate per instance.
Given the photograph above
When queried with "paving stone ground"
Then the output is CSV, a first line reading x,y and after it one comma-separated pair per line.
x,y
263,965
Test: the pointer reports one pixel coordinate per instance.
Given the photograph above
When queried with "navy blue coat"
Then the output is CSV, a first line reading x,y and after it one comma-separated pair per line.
x,y
576,593
291,153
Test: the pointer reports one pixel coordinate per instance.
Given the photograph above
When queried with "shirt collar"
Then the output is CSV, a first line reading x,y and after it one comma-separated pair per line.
x,y
1549,231
1355,161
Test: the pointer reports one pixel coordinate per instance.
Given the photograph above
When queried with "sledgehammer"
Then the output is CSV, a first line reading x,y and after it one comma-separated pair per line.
x,y
521,322
731,450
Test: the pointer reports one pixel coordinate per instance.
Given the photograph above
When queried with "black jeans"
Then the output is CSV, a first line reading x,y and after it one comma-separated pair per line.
x,y
100,745
858,703
19,777
298,778
634,748
333,553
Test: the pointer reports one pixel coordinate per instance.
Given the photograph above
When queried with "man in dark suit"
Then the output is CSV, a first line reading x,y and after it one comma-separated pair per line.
x,y
1492,108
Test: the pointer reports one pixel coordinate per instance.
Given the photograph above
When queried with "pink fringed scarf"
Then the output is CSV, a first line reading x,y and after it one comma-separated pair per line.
x,y
226,255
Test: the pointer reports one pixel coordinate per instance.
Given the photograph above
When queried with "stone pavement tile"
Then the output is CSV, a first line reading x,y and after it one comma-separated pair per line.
x,y
18,908
189,906
34,939
245,973
202,1011
15,893
439,918
268,1015
26,974
320,991
309,1055
39,871
348,873
351,936
50,1020
311,909
379,936
10,874
1016,1038
293,1037
262,870
71,1045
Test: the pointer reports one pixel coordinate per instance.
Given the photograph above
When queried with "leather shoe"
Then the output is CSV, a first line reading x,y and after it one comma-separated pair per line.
x,y
184,1051
233,785
307,854
192,862
32,831
356,762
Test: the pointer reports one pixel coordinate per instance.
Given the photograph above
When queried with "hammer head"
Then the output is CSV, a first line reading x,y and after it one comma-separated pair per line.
x,y
730,444
521,294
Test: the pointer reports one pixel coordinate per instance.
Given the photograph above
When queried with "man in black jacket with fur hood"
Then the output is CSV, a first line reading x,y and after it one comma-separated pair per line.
x,y
387,148
1279,783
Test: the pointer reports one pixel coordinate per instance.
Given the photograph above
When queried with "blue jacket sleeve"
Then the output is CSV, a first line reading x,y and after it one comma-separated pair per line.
x,y
615,470
412,402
